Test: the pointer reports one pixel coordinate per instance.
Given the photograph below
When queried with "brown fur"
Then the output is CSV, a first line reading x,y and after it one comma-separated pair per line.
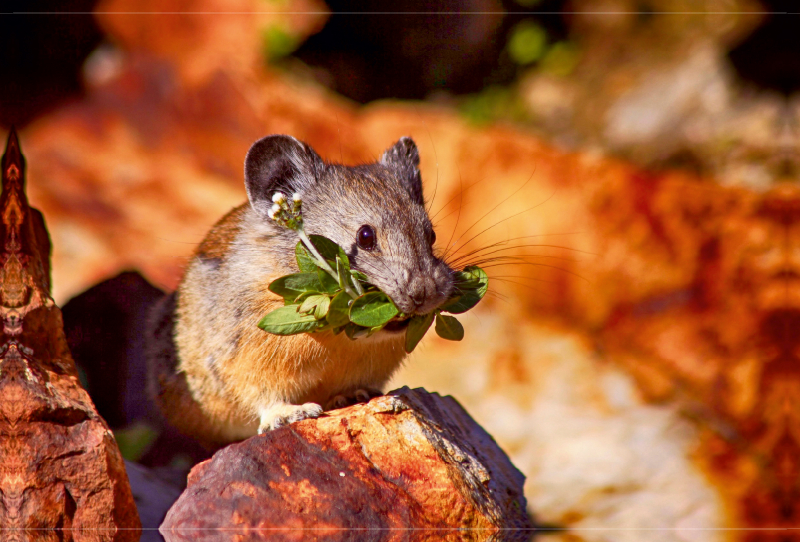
x,y
217,243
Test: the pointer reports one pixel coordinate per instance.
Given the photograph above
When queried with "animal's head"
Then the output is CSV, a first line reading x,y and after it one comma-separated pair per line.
x,y
375,212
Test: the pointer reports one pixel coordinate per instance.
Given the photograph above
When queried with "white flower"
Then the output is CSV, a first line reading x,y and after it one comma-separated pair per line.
x,y
297,197
274,210
271,213
278,197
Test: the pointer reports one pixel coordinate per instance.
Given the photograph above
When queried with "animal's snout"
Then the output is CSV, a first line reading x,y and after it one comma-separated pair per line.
x,y
419,292
417,297
422,291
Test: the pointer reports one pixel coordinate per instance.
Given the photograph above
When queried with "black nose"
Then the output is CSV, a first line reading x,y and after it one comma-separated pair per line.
x,y
418,297
420,288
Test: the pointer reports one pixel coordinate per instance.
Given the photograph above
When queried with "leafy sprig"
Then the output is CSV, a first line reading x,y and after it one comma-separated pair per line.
x,y
327,294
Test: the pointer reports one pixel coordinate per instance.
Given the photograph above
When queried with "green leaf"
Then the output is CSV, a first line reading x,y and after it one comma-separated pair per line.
x,y
322,308
329,250
448,327
304,260
462,303
417,329
287,321
302,297
471,285
328,283
291,286
310,303
339,311
354,331
344,262
358,275
473,278
343,270
372,309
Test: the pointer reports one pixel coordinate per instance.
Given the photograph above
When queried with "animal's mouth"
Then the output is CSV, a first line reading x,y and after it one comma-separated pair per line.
x,y
397,325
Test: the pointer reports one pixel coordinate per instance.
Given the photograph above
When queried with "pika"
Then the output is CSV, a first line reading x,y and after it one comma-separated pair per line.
x,y
218,377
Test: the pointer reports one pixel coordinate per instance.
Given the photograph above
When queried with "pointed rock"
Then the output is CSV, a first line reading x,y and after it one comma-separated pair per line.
x,y
13,161
60,466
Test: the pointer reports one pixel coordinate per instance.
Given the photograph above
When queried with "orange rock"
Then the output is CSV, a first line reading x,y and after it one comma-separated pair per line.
x,y
60,468
406,466
686,289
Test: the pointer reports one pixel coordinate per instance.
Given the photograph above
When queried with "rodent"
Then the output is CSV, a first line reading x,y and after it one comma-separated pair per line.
x,y
217,376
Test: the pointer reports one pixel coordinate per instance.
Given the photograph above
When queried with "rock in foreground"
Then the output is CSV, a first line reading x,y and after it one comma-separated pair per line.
x,y
410,465
61,473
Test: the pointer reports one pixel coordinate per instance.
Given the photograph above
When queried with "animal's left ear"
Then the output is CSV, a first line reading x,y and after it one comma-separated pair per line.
x,y
404,156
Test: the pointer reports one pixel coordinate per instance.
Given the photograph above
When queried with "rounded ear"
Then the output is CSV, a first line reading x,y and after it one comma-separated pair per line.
x,y
404,157
278,163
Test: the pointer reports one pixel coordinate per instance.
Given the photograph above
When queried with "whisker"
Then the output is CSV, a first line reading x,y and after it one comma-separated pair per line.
x,y
452,211
461,193
538,265
339,132
483,263
503,220
533,236
499,296
473,260
501,277
504,252
448,202
458,219
537,290
476,252
499,204
506,241
436,156
507,258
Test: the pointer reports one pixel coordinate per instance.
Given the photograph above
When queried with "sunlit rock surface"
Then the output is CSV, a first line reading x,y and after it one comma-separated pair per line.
x,y
410,461
61,473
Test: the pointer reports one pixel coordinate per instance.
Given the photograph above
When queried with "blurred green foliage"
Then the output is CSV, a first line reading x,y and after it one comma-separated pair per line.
x,y
135,439
278,42
527,42
529,47
493,103
561,59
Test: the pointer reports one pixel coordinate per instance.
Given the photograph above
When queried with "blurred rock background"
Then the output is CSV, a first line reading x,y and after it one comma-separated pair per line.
x,y
634,163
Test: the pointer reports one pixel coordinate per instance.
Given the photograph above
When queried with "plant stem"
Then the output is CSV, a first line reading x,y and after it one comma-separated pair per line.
x,y
321,261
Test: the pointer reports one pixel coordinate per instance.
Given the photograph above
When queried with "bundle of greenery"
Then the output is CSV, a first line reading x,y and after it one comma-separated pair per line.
x,y
328,295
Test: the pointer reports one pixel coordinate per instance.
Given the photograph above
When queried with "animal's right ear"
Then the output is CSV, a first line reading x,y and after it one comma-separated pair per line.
x,y
278,163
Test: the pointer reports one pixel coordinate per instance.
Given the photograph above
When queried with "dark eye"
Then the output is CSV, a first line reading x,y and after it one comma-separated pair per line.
x,y
365,238
431,237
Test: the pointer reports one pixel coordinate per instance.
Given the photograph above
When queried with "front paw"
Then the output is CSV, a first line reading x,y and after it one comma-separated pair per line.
x,y
280,415
351,398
